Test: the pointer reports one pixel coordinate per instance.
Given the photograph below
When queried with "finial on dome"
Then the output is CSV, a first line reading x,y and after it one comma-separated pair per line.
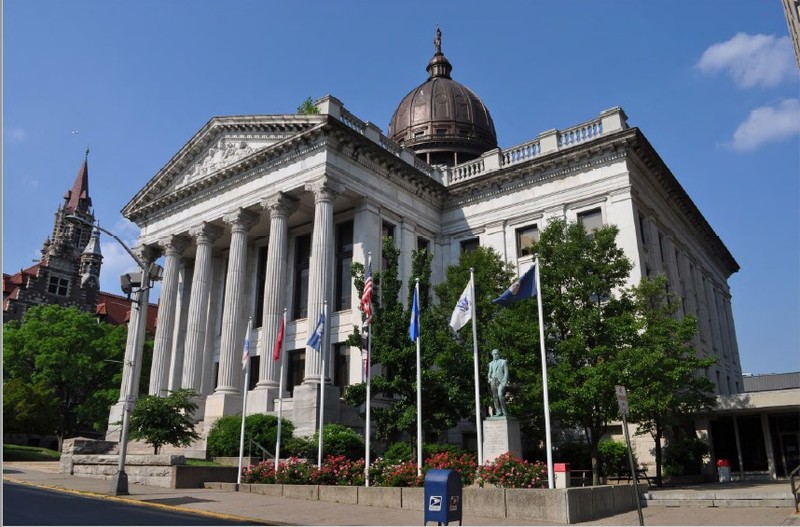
x,y
438,40
439,66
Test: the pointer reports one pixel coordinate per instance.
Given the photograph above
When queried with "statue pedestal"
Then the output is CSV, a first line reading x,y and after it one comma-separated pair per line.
x,y
501,435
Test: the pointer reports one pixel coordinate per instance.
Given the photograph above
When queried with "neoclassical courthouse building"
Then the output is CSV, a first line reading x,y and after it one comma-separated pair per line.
x,y
258,213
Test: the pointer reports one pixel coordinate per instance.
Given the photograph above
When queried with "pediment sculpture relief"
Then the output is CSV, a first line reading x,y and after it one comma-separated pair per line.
x,y
222,154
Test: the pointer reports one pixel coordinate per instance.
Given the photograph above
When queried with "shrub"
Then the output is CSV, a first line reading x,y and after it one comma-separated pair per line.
x,y
508,471
614,457
223,439
465,464
385,474
684,457
300,447
340,440
398,452
338,470
294,471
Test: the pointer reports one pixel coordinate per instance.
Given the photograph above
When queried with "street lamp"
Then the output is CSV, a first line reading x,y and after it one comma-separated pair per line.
x,y
138,283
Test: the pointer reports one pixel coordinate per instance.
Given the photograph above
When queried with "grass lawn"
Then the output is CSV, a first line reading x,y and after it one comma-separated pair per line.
x,y
29,453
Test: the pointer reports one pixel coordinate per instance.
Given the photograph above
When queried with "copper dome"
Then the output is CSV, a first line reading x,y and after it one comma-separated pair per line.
x,y
443,121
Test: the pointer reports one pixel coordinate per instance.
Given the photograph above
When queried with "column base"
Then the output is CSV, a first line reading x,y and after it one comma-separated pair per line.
x,y
221,404
305,408
114,429
261,400
501,435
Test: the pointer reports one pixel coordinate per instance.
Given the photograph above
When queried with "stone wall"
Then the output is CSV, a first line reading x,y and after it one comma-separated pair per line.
x,y
548,505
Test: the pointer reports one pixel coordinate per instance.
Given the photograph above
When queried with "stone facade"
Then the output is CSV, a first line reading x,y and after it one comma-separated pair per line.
x,y
277,223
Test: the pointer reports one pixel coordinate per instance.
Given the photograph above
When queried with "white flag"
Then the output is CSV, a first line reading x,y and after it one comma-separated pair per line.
x,y
463,311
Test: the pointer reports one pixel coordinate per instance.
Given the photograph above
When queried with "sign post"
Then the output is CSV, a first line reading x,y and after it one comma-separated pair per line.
x,y
622,400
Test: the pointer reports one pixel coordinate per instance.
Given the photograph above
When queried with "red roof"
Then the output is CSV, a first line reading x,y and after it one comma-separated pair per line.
x,y
13,283
116,309
78,196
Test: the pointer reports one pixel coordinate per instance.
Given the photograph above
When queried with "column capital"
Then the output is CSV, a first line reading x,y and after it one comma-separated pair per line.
x,y
206,233
174,244
279,204
147,253
242,219
325,189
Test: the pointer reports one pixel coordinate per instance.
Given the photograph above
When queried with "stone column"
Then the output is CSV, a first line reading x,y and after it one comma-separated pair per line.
x,y
280,206
233,328
134,346
162,346
205,235
185,274
320,268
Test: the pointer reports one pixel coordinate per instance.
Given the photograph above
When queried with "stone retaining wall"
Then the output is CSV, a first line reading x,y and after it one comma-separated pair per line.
x,y
571,505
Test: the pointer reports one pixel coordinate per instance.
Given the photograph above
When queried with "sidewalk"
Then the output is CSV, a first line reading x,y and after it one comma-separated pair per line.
x,y
286,511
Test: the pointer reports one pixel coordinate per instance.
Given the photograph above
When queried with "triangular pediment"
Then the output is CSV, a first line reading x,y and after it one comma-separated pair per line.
x,y
220,145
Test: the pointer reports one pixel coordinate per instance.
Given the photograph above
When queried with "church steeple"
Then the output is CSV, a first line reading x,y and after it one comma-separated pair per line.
x,y
77,198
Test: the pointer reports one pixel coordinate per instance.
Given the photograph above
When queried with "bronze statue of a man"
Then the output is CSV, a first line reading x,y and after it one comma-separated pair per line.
x,y
498,380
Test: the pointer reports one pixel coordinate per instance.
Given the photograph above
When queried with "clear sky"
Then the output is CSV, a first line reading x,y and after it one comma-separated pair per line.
x,y
712,84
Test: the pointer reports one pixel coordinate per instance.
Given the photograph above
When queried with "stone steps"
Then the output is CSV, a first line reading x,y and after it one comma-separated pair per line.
x,y
773,495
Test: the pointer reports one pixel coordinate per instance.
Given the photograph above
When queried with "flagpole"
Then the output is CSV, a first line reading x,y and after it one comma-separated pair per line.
x,y
244,400
550,480
478,425
323,351
419,393
369,403
280,401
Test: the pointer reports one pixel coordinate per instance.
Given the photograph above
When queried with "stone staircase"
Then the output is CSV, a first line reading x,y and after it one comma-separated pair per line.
x,y
737,494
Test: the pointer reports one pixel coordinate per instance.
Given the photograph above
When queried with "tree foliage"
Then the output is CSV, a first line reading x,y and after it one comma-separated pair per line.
x,y
60,371
589,321
165,420
308,107
225,434
662,367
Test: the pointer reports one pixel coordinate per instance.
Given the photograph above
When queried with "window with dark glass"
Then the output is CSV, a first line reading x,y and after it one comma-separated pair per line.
x,y
643,231
526,237
341,365
387,231
422,243
255,364
591,219
302,260
58,286
344,257
296,369
261,280
470,245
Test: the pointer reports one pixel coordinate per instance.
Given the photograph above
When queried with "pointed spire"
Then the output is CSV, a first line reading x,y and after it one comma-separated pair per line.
x,y
439,66
77,198
93,247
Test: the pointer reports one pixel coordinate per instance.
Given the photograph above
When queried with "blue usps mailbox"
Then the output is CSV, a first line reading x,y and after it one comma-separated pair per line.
x,y
442,496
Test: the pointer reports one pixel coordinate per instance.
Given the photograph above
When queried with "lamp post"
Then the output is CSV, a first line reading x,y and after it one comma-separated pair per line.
x,y
138,283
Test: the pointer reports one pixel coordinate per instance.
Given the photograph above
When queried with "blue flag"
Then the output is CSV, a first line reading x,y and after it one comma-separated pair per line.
x,y
523,288
413,330
316,338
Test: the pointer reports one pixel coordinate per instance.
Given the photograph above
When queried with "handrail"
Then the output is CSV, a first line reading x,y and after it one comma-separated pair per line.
x,y
264,452
793,482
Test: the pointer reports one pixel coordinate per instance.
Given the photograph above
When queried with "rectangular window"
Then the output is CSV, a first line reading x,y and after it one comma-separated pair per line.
x,y
341,365
591,219
526,237
58,286
255,364
470,245
661,247
387,230
423,244
296,369
441,131
261,280
302,261
344,257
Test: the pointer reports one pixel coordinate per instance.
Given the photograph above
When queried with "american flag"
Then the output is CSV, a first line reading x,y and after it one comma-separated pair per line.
x,y
366,297
246,351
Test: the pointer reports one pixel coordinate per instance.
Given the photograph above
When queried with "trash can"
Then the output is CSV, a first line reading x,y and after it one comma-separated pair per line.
x,y
724,470
443,492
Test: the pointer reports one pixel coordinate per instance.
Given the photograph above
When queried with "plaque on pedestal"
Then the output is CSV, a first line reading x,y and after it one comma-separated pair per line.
x,y
501,435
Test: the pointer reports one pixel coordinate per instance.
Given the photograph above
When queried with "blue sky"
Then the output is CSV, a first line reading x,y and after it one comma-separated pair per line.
x,y
713,85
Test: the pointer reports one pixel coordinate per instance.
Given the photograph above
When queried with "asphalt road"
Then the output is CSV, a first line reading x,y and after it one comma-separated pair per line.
x,y
24,505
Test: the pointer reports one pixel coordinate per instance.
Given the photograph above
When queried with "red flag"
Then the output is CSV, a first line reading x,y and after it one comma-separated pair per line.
x,y
276,353
366,297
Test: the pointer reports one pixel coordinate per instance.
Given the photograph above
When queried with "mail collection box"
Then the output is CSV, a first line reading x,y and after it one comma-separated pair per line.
x,y
443,493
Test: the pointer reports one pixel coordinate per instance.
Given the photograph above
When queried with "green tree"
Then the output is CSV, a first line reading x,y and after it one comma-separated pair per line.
x,y
589,321
61,358
225,434
165,420
308,107
662,367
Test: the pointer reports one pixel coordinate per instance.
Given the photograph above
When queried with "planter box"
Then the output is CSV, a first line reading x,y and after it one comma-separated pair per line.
x,y
188,477
267,489
390,497
413,498
338,494
302,492
537,504
488,502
